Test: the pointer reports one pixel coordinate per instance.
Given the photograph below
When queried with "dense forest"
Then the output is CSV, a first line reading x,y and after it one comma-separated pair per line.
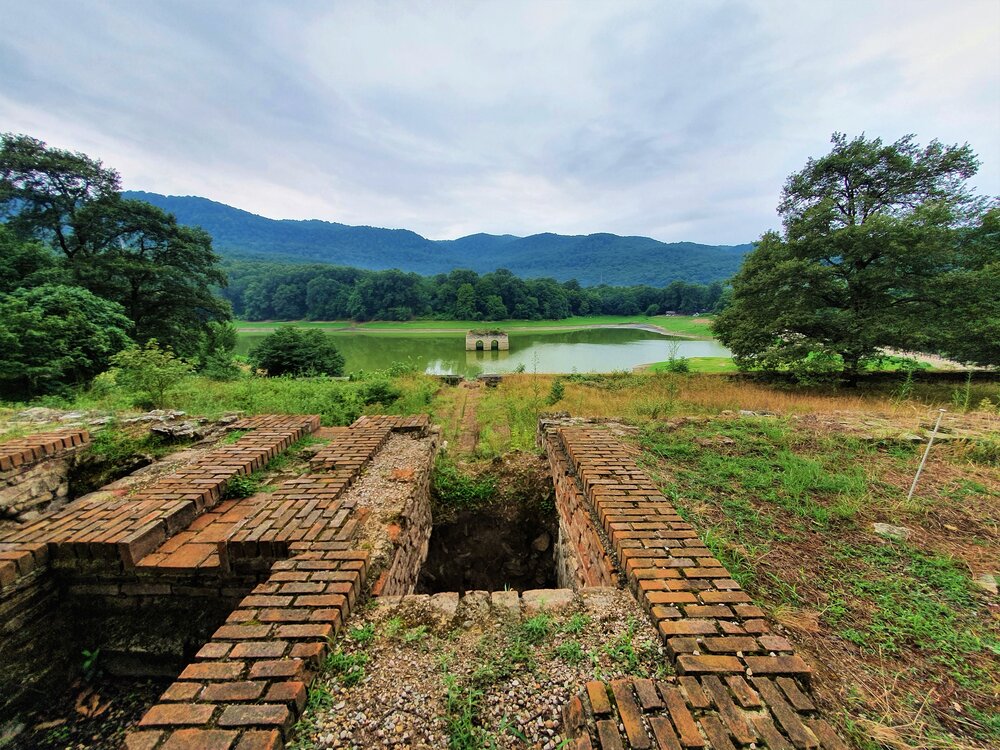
x,y
268,291
591,259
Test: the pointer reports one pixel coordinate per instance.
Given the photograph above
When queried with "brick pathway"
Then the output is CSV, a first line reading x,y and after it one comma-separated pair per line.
x,y
738,684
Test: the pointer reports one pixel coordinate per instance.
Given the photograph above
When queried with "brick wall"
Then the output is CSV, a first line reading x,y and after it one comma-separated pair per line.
x,y
34,470
247,684
581,558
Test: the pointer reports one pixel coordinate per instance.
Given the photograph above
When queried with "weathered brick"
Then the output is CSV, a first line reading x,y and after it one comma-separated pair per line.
x,y
682,718
708,664
212,670
142,740
227,692
608,736
260,740
598,694
277,668
292,692
200,739
177,714
259,649
251,715
629,714
778,665
687,627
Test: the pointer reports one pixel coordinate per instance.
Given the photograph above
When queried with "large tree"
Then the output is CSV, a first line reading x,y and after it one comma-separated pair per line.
x,y
126,251
872,231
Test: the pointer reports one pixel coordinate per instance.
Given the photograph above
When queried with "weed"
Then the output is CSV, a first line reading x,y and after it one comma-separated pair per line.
x,y
242,486
415,634
570,652
536,629
393,626
349,668
575,624
364,635
456,489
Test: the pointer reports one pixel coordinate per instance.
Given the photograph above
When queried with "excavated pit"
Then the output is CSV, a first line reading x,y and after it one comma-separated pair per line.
x,y
508,542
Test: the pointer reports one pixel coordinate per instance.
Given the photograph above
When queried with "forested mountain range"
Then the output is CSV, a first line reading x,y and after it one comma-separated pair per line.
x,y
590,259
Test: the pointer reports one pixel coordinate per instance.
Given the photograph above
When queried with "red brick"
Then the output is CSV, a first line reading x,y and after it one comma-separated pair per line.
x,y
212,670
227,692
200,739
708,664
241,632
259,649
772,665
725,597
708,610
261,740
607,735
176,714
213,650
292,692
683,721
311,652
687,627
630,714
731,644
181,691
278,668
598,694
315,630
263,714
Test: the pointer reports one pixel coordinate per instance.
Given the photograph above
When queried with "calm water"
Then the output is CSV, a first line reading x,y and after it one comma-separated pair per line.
x,y
591,350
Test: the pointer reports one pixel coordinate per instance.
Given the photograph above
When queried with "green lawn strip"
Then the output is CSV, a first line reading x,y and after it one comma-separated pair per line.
x,y
683,324
699,364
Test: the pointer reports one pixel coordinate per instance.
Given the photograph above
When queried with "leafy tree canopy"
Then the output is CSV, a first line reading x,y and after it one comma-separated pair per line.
x,y
297,351
126,251
52,336
874,237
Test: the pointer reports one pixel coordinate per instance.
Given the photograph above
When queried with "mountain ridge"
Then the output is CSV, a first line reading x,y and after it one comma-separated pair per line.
x,y
591,259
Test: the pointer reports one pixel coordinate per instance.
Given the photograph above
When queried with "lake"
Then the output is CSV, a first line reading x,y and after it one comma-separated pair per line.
x,y
589,350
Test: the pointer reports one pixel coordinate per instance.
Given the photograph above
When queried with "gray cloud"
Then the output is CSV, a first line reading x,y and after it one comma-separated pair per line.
x,y
676,120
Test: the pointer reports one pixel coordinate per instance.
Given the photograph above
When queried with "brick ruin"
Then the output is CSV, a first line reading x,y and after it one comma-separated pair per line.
x,y
238,601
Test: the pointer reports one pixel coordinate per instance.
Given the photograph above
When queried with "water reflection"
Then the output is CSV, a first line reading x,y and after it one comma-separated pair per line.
x,y
591,350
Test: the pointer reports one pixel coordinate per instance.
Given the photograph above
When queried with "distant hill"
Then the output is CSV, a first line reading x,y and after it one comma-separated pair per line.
x,y
591,259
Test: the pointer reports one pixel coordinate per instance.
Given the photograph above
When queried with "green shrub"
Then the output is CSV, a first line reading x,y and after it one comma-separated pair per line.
x,y
297,351
149,373
556,393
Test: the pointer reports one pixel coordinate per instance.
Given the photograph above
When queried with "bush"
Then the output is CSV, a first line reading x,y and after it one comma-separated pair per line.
x,y
297,351
557,393
56,336
150,373
380,392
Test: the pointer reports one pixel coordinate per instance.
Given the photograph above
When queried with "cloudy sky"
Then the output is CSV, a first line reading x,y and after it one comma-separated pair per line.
x,y
677,120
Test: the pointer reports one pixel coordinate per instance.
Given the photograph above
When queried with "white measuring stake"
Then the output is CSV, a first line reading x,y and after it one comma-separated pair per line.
x,y
923,460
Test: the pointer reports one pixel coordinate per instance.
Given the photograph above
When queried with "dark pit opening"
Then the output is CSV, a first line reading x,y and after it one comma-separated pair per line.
x,y
508,540
483,550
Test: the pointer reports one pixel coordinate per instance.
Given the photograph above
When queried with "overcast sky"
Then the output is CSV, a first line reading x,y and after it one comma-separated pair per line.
x,y
677,120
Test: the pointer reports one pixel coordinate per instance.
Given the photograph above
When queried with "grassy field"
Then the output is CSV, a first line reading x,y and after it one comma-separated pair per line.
x,y
679,324
905,643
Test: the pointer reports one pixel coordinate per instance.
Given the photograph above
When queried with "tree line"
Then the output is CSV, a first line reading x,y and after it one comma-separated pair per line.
x,y
270,291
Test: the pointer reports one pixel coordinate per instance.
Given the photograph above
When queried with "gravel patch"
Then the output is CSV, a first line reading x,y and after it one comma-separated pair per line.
x,y
413,674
